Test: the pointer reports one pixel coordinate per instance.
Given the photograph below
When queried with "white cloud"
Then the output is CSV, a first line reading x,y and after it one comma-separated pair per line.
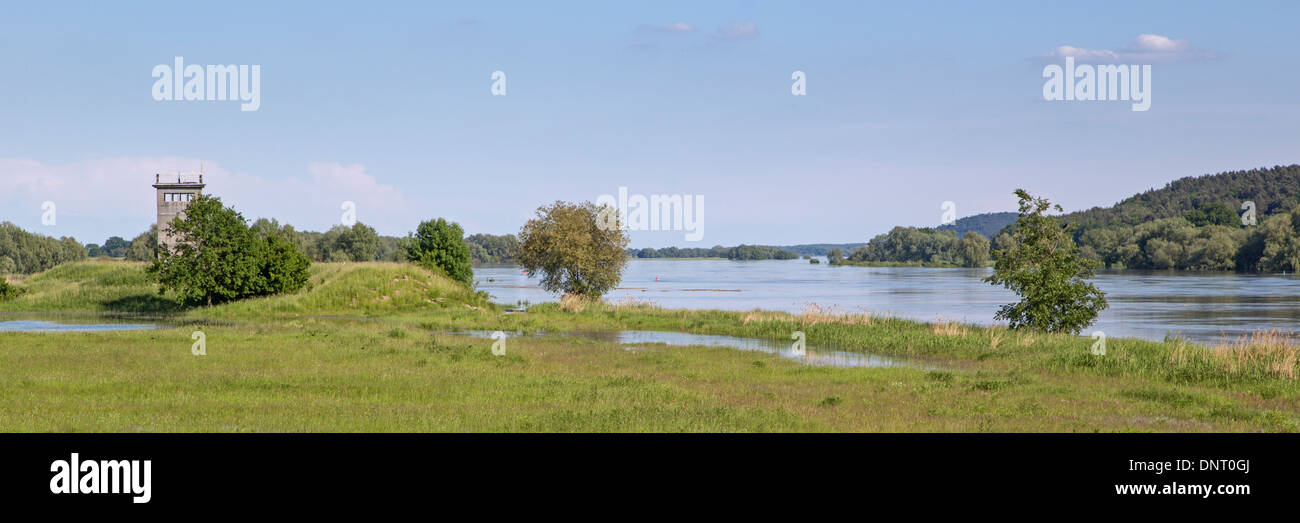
x,y
1085,55
1157,43
112,196
1146,48
737,31
675,27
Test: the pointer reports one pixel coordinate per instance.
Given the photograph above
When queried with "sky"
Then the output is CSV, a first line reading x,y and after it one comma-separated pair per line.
x,y
390,105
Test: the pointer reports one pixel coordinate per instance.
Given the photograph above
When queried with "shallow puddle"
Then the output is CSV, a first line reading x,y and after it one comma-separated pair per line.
x,y
810,356
46,326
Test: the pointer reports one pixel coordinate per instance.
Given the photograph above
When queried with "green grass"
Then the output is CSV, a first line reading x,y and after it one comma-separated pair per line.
x,y
357,351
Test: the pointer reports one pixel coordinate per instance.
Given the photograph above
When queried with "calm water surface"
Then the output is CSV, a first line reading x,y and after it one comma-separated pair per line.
x,y
1203,307
809,356
45,326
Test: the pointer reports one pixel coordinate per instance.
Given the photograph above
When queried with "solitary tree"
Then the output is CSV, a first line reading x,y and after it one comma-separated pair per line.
x,y
440,245
578,248
1045,269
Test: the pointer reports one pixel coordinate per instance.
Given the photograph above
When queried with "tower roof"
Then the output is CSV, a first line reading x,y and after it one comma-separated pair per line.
x,y
178,181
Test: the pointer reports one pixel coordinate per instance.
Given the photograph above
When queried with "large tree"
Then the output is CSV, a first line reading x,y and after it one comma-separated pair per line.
x,y
440,245
219,257
1045,269
577,248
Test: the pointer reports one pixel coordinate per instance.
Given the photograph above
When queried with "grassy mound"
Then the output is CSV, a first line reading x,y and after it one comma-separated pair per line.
x,y
92,286
364,288
111,286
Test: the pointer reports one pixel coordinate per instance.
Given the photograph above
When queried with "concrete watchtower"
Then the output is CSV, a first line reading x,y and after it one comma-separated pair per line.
x,y
173,198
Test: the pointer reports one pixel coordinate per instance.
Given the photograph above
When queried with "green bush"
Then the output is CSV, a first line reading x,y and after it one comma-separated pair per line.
x,y
440,245
220,258
9,291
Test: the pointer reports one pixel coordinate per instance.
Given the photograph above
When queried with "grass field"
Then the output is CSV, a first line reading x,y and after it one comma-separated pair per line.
x,y
358,351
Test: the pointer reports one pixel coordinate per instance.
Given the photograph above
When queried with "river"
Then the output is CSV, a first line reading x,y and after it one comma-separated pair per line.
x,y
1202,307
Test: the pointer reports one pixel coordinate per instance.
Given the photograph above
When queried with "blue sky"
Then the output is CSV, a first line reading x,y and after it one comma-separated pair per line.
x,y
389,105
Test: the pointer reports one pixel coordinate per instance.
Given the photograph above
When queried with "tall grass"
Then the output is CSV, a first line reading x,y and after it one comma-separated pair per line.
x,y
1259,355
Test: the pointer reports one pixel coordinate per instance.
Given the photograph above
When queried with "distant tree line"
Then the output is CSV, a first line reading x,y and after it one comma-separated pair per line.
x,y
740,252
488,248
22,252
821,249
1195,224
115,247
924,247
987,225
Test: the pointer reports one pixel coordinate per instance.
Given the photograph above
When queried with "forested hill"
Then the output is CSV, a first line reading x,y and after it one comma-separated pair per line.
x,y
987,225
1192,223
1274,191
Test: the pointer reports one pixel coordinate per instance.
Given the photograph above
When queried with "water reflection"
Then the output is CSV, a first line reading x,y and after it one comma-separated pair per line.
x,y
46,326
811,356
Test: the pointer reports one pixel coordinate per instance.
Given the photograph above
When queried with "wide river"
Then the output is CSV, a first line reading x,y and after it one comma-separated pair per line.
x,y
1202,307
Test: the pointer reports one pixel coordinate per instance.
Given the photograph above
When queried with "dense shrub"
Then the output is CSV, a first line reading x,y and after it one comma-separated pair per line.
x,y
219,257
440,245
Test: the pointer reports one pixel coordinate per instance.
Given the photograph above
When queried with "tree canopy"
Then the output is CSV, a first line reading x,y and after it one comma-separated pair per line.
x,y
219,257
440,245
575,252
1044,268
24,252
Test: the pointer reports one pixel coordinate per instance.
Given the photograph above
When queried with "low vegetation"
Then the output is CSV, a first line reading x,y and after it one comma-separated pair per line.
x,y
9,291
362,348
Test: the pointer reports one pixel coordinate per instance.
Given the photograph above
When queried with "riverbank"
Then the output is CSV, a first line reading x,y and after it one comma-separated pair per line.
x,y
932,265
358,351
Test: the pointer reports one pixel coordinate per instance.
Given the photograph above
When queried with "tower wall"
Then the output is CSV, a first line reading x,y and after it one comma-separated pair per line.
x,y
173,198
